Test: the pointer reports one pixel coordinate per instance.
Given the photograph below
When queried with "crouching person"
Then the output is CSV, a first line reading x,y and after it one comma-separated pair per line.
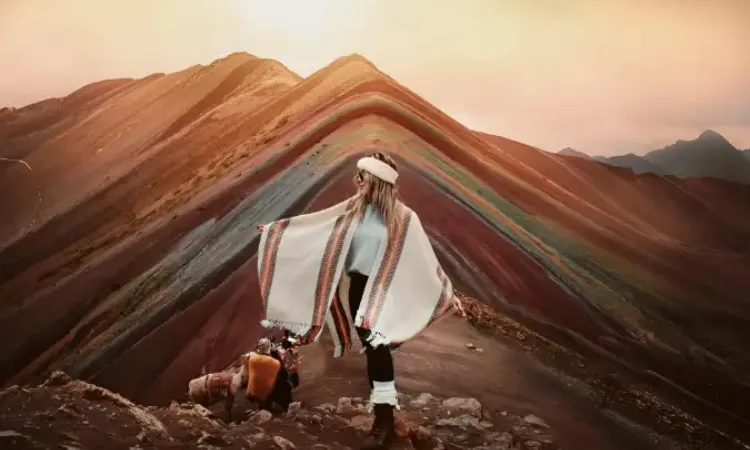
x,y
268,380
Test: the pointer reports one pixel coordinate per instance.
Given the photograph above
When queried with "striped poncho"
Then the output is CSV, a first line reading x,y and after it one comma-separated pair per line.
x,y
300,267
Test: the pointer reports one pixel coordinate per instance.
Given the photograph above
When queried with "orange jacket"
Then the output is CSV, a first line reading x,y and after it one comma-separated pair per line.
x,y
262,373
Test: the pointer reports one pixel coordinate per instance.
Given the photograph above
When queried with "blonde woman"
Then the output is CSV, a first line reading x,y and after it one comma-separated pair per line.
x,y
366,261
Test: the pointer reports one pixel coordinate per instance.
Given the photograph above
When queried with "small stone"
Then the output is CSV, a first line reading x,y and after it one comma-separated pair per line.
x,y
202,411
294,408
532,445
423,400
283,443
210,439
57,378
361,423
463,422
345,407
261,417
536,421
316,419
423,432
326,408
522,433
141,436
468,405
471,346
184,423
424,437
504,438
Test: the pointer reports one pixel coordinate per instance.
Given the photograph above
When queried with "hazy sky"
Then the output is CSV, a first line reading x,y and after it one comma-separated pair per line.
x,y
602,76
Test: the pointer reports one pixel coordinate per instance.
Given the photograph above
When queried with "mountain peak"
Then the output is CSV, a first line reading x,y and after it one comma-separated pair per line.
x,y
354,58
569,151
237,57
711,135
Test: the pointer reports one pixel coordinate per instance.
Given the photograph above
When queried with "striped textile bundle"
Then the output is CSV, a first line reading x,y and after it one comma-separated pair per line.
x,y
300,267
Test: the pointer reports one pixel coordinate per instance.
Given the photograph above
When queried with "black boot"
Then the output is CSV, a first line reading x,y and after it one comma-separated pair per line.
x,y
383,429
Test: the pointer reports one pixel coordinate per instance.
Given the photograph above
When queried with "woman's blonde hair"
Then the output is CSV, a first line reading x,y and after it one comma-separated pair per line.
x,y
373,190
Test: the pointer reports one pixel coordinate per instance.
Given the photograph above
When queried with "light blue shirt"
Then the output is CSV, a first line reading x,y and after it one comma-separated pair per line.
x,y
368,236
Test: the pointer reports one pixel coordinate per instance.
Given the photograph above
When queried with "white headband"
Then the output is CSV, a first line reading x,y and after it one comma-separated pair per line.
x,y
378,168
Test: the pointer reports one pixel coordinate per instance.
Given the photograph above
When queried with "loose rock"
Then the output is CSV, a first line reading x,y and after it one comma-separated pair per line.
x,y
261,417
423,422
283,443
536,421
468,405
294,408
14,439
57,378
464,422
210,439
361,423
423,400
345,407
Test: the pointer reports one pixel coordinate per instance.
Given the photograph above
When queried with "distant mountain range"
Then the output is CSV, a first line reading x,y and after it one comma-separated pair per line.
x,y
710,155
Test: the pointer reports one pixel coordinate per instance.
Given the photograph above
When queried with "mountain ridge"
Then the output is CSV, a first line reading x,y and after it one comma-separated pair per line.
x,y
153,255
708,155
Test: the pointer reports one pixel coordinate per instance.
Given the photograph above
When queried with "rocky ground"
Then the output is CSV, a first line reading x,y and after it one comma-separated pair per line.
x,y
72,414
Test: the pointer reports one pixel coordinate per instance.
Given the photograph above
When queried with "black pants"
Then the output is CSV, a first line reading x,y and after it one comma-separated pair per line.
x,y
379,360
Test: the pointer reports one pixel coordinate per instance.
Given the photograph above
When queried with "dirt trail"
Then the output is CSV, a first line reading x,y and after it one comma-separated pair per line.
x,y
501,378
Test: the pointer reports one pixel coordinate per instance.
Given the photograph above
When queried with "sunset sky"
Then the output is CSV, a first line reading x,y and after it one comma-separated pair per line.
x,y
602,76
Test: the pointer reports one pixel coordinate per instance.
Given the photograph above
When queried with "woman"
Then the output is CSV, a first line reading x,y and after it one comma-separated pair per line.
x,y
373,247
